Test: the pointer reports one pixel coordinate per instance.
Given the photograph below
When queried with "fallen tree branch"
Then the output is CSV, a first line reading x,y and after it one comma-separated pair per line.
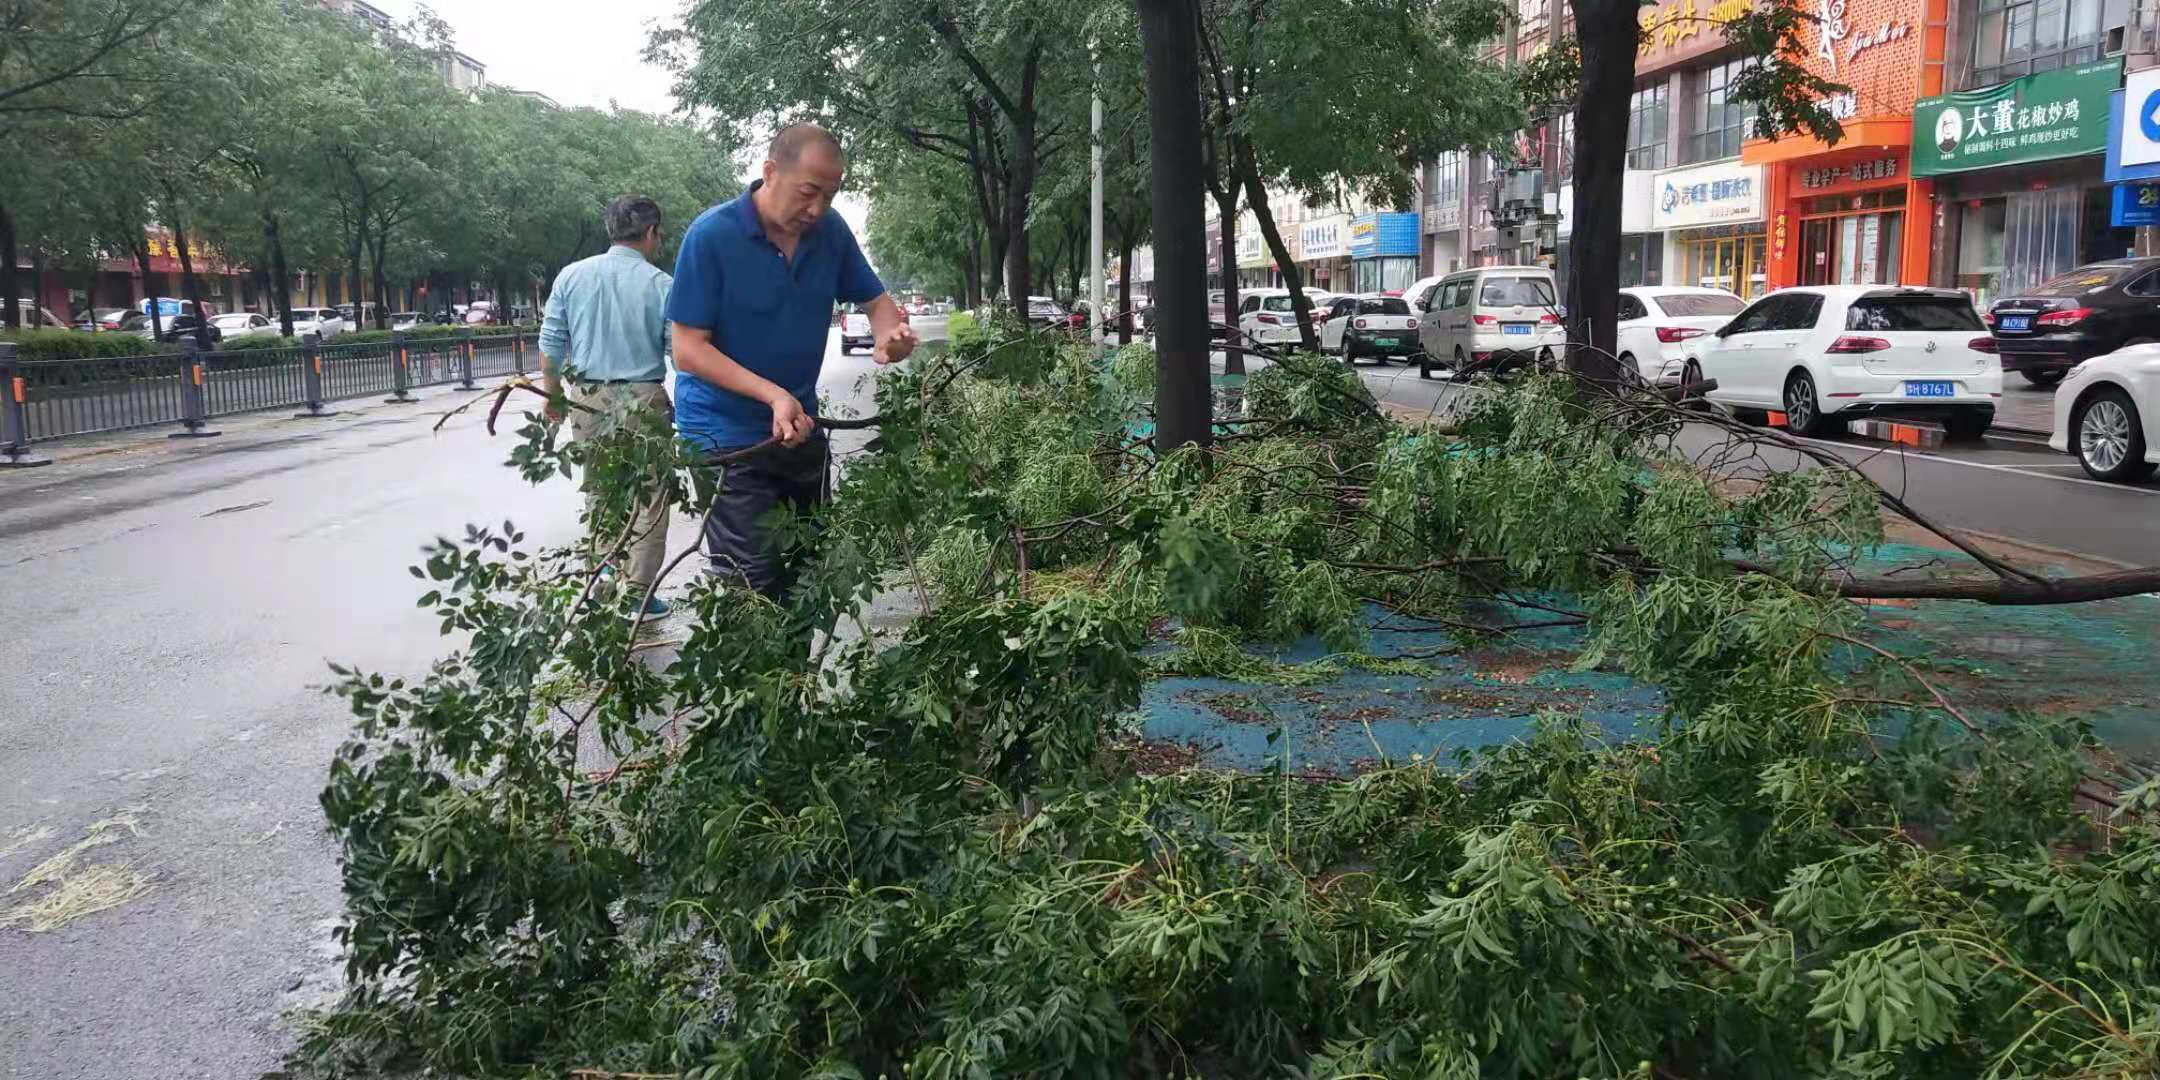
x,y
2004,592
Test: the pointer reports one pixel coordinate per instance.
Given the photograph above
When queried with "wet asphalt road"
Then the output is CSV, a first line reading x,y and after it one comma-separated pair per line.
x,y
171,606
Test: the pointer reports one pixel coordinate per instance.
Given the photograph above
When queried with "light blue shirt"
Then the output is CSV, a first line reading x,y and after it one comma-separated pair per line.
x,y
607,318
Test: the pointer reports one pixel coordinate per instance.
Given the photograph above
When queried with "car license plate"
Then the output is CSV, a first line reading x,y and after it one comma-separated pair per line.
x,y
1387,341
1515,328
1943,388
2015,322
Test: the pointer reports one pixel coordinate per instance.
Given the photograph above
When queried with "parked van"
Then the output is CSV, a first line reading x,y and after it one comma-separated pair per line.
x,y
1492,318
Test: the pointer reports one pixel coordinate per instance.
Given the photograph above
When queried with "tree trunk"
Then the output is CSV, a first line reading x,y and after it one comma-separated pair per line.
x,y
1124,289
1226,211
1023,186
380,240
142,267
1169,40
281,278
1607,29
188,285
1257,196
352,265
39,267
10,288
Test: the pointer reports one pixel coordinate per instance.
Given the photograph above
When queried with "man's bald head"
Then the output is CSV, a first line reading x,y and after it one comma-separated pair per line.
x,y
802,174
788,146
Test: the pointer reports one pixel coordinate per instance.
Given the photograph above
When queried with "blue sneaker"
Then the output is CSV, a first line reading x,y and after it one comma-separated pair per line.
x,y
656,608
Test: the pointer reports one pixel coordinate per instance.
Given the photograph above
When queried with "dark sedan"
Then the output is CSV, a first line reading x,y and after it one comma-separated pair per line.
x,y
2043,332
171,329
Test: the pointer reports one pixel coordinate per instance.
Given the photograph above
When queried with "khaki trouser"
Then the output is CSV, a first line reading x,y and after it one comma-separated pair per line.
x,y
611,405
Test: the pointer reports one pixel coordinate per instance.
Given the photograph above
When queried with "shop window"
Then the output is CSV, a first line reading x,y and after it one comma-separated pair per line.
x,y
1447,178
2012,38
1980,249
1733,262
1648,118
1721,121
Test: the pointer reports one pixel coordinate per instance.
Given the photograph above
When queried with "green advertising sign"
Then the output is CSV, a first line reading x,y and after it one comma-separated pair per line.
x,y
2053,114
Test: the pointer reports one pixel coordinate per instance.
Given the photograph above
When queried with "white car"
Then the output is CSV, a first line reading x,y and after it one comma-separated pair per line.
x,y
329,322
854,332
1657,320
1502,315
406,320
1824,354
241,323
2107,412
1368,324
1266,317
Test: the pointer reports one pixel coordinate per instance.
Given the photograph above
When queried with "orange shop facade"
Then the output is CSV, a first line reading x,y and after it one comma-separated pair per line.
x,y
1854,213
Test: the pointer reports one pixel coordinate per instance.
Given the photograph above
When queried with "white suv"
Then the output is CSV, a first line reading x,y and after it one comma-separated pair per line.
x,y
1497,315
1823,354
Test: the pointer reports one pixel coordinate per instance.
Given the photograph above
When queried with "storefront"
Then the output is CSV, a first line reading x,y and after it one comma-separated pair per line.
x,y
1847,215
1383,251
2021,178
1856,213
1642,250
1324,252
1711,219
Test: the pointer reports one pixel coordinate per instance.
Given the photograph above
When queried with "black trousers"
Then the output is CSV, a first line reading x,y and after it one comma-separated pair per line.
x,y
737,543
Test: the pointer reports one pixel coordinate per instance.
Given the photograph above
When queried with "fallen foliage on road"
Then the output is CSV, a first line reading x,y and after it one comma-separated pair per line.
x,y
926,857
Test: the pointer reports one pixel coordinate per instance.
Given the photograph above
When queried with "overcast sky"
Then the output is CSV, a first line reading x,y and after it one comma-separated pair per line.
x,y
578,52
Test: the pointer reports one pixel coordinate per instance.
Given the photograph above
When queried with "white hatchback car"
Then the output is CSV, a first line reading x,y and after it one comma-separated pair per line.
x,y
1656,322
1266,317
1825,354
2107,412
1368,324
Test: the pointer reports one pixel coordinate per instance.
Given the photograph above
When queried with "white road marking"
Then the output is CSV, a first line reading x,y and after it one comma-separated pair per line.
x,y
2020,469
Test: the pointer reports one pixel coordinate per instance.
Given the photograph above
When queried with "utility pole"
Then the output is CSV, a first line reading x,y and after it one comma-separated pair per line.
x,y
1095,214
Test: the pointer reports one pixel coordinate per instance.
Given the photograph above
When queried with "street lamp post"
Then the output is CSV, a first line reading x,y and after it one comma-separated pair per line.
x,y
1095,215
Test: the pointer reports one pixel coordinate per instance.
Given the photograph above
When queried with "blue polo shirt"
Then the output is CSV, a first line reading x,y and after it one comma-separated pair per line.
x,y
766,312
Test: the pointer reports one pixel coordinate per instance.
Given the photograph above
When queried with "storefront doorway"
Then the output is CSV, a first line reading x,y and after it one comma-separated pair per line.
x,y
1733,262
1853,239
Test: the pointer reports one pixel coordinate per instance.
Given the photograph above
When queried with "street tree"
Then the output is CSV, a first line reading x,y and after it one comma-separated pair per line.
x,y
1787,98
924,228
267,169
1328,98
1169,38
999,89
68,64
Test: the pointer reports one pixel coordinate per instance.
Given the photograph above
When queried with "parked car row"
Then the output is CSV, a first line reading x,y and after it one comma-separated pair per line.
x,y
327,321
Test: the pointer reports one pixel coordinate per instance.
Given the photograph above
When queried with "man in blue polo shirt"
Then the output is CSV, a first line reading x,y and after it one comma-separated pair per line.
x,y
755,284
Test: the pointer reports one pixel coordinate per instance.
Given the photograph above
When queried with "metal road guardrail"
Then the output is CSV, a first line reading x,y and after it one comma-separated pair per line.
x,y
43,400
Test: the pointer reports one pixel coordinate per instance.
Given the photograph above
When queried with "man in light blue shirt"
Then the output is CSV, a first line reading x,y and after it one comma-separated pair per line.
x,y
607,331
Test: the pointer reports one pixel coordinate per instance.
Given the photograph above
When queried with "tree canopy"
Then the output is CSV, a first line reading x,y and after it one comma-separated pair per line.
x,y
340,150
